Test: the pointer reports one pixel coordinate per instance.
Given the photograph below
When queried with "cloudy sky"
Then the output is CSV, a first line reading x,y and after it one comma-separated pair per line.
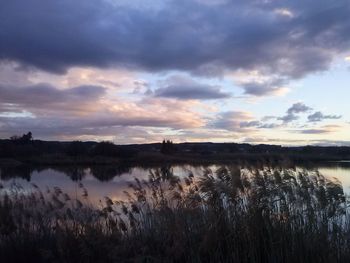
x,y
136,71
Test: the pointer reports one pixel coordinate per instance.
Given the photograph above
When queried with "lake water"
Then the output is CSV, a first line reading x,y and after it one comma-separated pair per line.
x,y
113,181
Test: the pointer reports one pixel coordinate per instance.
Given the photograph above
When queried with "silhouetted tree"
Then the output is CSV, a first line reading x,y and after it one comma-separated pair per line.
x,y
25,138
167,147
15,138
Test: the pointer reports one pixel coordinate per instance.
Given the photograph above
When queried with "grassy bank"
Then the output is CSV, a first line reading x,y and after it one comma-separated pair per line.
x,y
237,214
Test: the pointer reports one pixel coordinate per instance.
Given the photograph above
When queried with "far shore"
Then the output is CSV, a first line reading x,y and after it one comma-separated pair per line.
x,y
158,159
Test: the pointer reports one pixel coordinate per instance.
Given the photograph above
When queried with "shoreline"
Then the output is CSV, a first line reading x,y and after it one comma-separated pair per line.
x,y
161,159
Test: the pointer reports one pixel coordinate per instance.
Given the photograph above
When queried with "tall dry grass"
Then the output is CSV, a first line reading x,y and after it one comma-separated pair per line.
x,y
233,214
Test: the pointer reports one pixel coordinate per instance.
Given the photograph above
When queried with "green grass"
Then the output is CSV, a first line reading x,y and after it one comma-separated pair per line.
x,y
235,214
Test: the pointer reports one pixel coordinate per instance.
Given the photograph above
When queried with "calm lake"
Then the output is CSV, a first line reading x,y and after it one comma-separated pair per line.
x,y
111,181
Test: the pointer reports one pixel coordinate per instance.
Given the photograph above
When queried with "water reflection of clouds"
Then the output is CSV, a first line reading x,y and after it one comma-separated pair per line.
x,y
114,186
341,173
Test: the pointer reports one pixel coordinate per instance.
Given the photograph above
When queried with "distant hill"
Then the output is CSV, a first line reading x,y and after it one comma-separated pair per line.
x,y
29,150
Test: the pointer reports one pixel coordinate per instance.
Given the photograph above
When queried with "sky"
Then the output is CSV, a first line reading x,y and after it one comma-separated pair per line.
x,y
140,71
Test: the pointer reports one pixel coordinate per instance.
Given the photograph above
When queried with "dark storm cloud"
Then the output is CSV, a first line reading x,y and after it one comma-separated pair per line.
x,y
183,35
191,90
319,116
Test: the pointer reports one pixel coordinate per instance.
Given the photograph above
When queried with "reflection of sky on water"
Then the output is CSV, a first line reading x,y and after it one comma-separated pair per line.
x,y
341,173
97,189
115,187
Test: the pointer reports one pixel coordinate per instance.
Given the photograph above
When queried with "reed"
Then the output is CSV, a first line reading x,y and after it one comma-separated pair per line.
x,y
233,214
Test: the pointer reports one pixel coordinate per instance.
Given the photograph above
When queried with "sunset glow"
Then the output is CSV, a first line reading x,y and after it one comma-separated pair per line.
x,y
139,71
